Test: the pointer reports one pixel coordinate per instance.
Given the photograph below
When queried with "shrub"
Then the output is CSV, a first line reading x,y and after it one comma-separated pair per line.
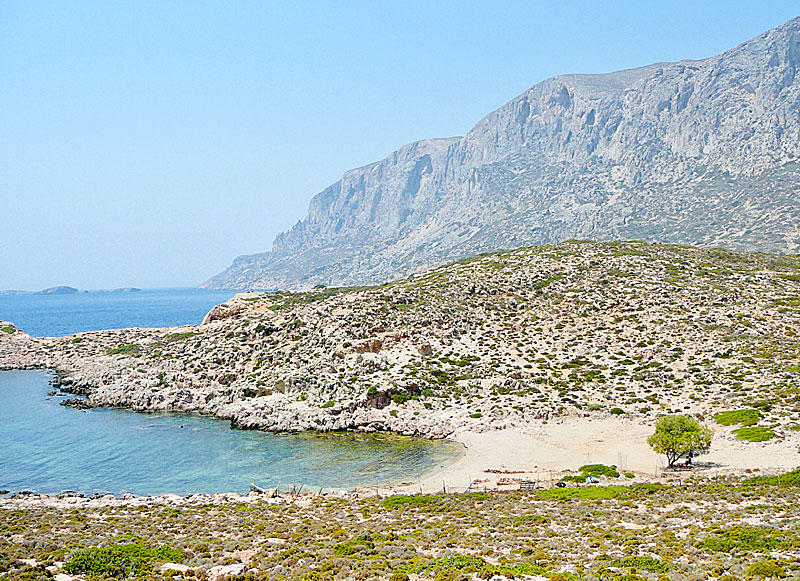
x,y
130,349
765,569
747,417
788,479
362,544
616,411
743,537
599,470
410,500
476,415
595,470
642,562
119,561
9,330
181,336
598,492
400,398
755,433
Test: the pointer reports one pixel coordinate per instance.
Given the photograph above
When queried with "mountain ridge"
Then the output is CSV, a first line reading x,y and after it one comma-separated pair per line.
x,y
697,152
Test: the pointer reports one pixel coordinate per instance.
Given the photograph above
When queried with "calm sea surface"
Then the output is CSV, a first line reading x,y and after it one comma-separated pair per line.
x,y
48,448
58,315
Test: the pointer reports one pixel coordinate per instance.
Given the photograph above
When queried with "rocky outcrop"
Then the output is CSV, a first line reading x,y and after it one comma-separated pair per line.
x,y
497,342
696,152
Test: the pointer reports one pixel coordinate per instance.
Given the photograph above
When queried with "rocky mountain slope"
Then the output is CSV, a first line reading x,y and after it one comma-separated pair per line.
x,y
695,152
499,341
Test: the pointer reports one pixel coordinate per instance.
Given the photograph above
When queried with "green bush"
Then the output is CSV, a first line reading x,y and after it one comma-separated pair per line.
x,y
754,433
400,398
476,415
599,492
595,470
446,567
410,500
745,538
362,544
9,330
130,349
35,573
765,569
599,470
788,479
119,561
747,417
643,563
172,337
616,411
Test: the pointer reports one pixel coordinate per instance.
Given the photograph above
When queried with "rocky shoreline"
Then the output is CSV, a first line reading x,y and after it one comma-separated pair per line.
x,y
503,341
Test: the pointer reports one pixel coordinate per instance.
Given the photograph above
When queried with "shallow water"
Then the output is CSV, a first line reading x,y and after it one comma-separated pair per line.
x,y
48,448
59,315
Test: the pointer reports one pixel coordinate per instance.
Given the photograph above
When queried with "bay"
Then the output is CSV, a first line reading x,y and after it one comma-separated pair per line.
x,y
48,448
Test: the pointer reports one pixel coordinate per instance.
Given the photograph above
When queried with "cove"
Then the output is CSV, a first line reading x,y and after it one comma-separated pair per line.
x,y
47,448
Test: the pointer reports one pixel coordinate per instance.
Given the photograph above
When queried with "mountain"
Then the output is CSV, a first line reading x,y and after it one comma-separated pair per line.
x,y
696,152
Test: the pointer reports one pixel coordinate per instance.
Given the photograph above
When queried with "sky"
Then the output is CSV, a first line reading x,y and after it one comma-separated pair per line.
x,y
149,143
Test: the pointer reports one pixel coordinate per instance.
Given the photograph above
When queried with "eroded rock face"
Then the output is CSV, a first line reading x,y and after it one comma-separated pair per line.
x,y
696,152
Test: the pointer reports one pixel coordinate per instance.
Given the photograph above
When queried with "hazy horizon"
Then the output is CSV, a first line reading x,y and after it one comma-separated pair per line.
x,y
148,145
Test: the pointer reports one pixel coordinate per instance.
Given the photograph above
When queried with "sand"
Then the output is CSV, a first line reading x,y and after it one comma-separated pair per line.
x,y
543,451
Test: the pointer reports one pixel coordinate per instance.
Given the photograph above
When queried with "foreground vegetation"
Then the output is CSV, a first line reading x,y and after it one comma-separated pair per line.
x,y
703,530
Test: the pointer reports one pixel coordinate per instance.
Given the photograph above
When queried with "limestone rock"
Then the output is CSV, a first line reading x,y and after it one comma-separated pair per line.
x,y
696,152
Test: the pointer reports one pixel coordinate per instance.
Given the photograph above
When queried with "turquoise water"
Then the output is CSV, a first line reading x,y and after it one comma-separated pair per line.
x,y
48,448
59,315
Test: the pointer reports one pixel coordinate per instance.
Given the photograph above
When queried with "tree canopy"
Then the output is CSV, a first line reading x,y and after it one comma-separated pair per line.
x,y
678,435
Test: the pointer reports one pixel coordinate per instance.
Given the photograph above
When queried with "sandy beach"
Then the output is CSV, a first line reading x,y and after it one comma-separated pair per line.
x,y
543,451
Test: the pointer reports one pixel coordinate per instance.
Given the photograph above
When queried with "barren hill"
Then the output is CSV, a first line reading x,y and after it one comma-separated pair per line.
x,y
499,341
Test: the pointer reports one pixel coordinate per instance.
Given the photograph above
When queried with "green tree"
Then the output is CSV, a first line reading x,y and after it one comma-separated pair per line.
x,y
676,436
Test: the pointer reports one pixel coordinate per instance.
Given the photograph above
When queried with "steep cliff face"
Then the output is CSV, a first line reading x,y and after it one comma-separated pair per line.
x,y
698,152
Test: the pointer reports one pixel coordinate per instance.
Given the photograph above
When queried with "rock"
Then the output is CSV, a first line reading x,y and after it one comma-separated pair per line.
x,y
175,567
635,154
78,403
222,571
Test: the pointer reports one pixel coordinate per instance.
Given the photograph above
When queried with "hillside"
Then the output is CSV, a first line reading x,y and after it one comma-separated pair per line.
x,y
501,341
694,152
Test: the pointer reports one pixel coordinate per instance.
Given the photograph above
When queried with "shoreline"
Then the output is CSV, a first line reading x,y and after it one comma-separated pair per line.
x,y
499,460
542,451
537,360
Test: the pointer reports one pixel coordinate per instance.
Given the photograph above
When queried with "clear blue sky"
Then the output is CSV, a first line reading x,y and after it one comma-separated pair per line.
x,y
149,143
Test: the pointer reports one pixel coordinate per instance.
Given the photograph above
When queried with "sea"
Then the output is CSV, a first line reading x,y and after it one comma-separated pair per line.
x,y
49,448
59,315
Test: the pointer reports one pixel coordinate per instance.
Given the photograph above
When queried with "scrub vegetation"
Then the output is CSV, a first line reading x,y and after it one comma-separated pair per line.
x,y
702,530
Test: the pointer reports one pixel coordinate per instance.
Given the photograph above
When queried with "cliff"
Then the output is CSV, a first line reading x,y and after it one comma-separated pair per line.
x,y
695,152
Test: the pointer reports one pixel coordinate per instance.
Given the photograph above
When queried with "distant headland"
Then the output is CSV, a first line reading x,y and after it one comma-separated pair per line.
x,y
65,290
